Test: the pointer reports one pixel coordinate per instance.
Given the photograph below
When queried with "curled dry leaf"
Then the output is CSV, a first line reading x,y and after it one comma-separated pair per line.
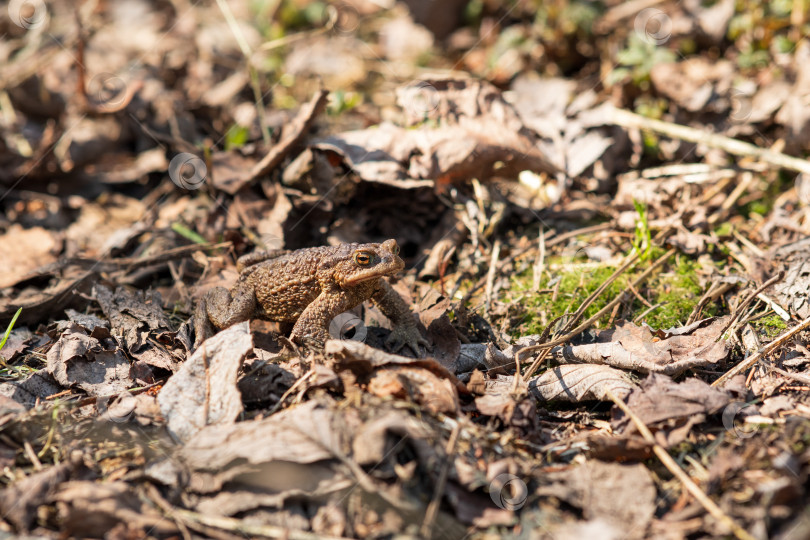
x,y
204,392
363,360
433,393
639,348
96,365
670,407
580,383
259,463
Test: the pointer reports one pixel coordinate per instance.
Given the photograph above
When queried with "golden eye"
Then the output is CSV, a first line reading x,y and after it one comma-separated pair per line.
x,y
395,251
362,258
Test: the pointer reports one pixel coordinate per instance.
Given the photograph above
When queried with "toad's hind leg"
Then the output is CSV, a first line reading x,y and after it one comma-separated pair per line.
x,y
222,309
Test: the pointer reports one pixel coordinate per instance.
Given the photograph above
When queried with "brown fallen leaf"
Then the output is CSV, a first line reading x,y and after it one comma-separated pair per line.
x,y
622,495
363,360
20,500
90,509
204,392
478,135
670,408
135,317
639,348
41,248
95,365
422,386
578,383
284,455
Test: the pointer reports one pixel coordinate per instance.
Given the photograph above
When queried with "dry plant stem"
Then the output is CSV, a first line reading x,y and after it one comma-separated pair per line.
x,y
167,509
735,147
715,291
548,242
241,527
731,200
798,377
496,251
589,322
433,508
768,349
290,390
745,303
673,467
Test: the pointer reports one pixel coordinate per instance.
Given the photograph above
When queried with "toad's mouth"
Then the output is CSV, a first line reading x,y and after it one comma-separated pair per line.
x,y
375,272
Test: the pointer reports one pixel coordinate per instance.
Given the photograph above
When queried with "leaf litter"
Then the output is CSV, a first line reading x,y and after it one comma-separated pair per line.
x,y
605,248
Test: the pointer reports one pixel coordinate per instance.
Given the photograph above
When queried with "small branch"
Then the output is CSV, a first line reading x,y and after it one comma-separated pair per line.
x,y
768,349
433,507
626,119
673,467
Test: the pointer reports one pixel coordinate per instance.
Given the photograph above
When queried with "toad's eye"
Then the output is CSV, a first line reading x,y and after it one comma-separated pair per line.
x,y
395,251
362,258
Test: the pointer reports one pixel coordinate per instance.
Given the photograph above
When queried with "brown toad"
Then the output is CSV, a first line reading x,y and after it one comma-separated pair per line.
x,y
310,287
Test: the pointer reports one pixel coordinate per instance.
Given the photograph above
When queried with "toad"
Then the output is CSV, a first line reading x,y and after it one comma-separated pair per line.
x,y
310,287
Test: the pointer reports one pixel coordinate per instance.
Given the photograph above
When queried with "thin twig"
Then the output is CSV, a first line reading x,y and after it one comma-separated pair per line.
x,y
673,467
493,263
243,527
768,349
735,147
433,507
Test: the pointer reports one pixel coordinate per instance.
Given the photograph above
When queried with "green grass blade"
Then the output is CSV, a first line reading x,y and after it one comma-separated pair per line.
x,y
10,326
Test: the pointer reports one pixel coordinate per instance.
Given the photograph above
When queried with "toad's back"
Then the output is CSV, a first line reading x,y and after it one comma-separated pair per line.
x,y
286,285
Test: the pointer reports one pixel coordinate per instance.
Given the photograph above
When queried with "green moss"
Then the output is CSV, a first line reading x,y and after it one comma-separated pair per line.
x,y
675,290
770,326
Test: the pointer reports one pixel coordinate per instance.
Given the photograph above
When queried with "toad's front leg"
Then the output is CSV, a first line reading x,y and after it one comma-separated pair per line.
x,y
404,330
311,330
222,308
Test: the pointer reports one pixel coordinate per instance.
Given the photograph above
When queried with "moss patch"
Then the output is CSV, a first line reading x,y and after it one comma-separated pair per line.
x,y
676,288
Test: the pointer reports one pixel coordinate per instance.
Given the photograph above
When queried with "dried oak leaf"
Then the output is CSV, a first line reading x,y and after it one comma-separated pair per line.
x,y
97,366
670,409
364,360
472,132
422,386
622,495
41,247
134,316
640,348
580,383
203,391
263,462
793,291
